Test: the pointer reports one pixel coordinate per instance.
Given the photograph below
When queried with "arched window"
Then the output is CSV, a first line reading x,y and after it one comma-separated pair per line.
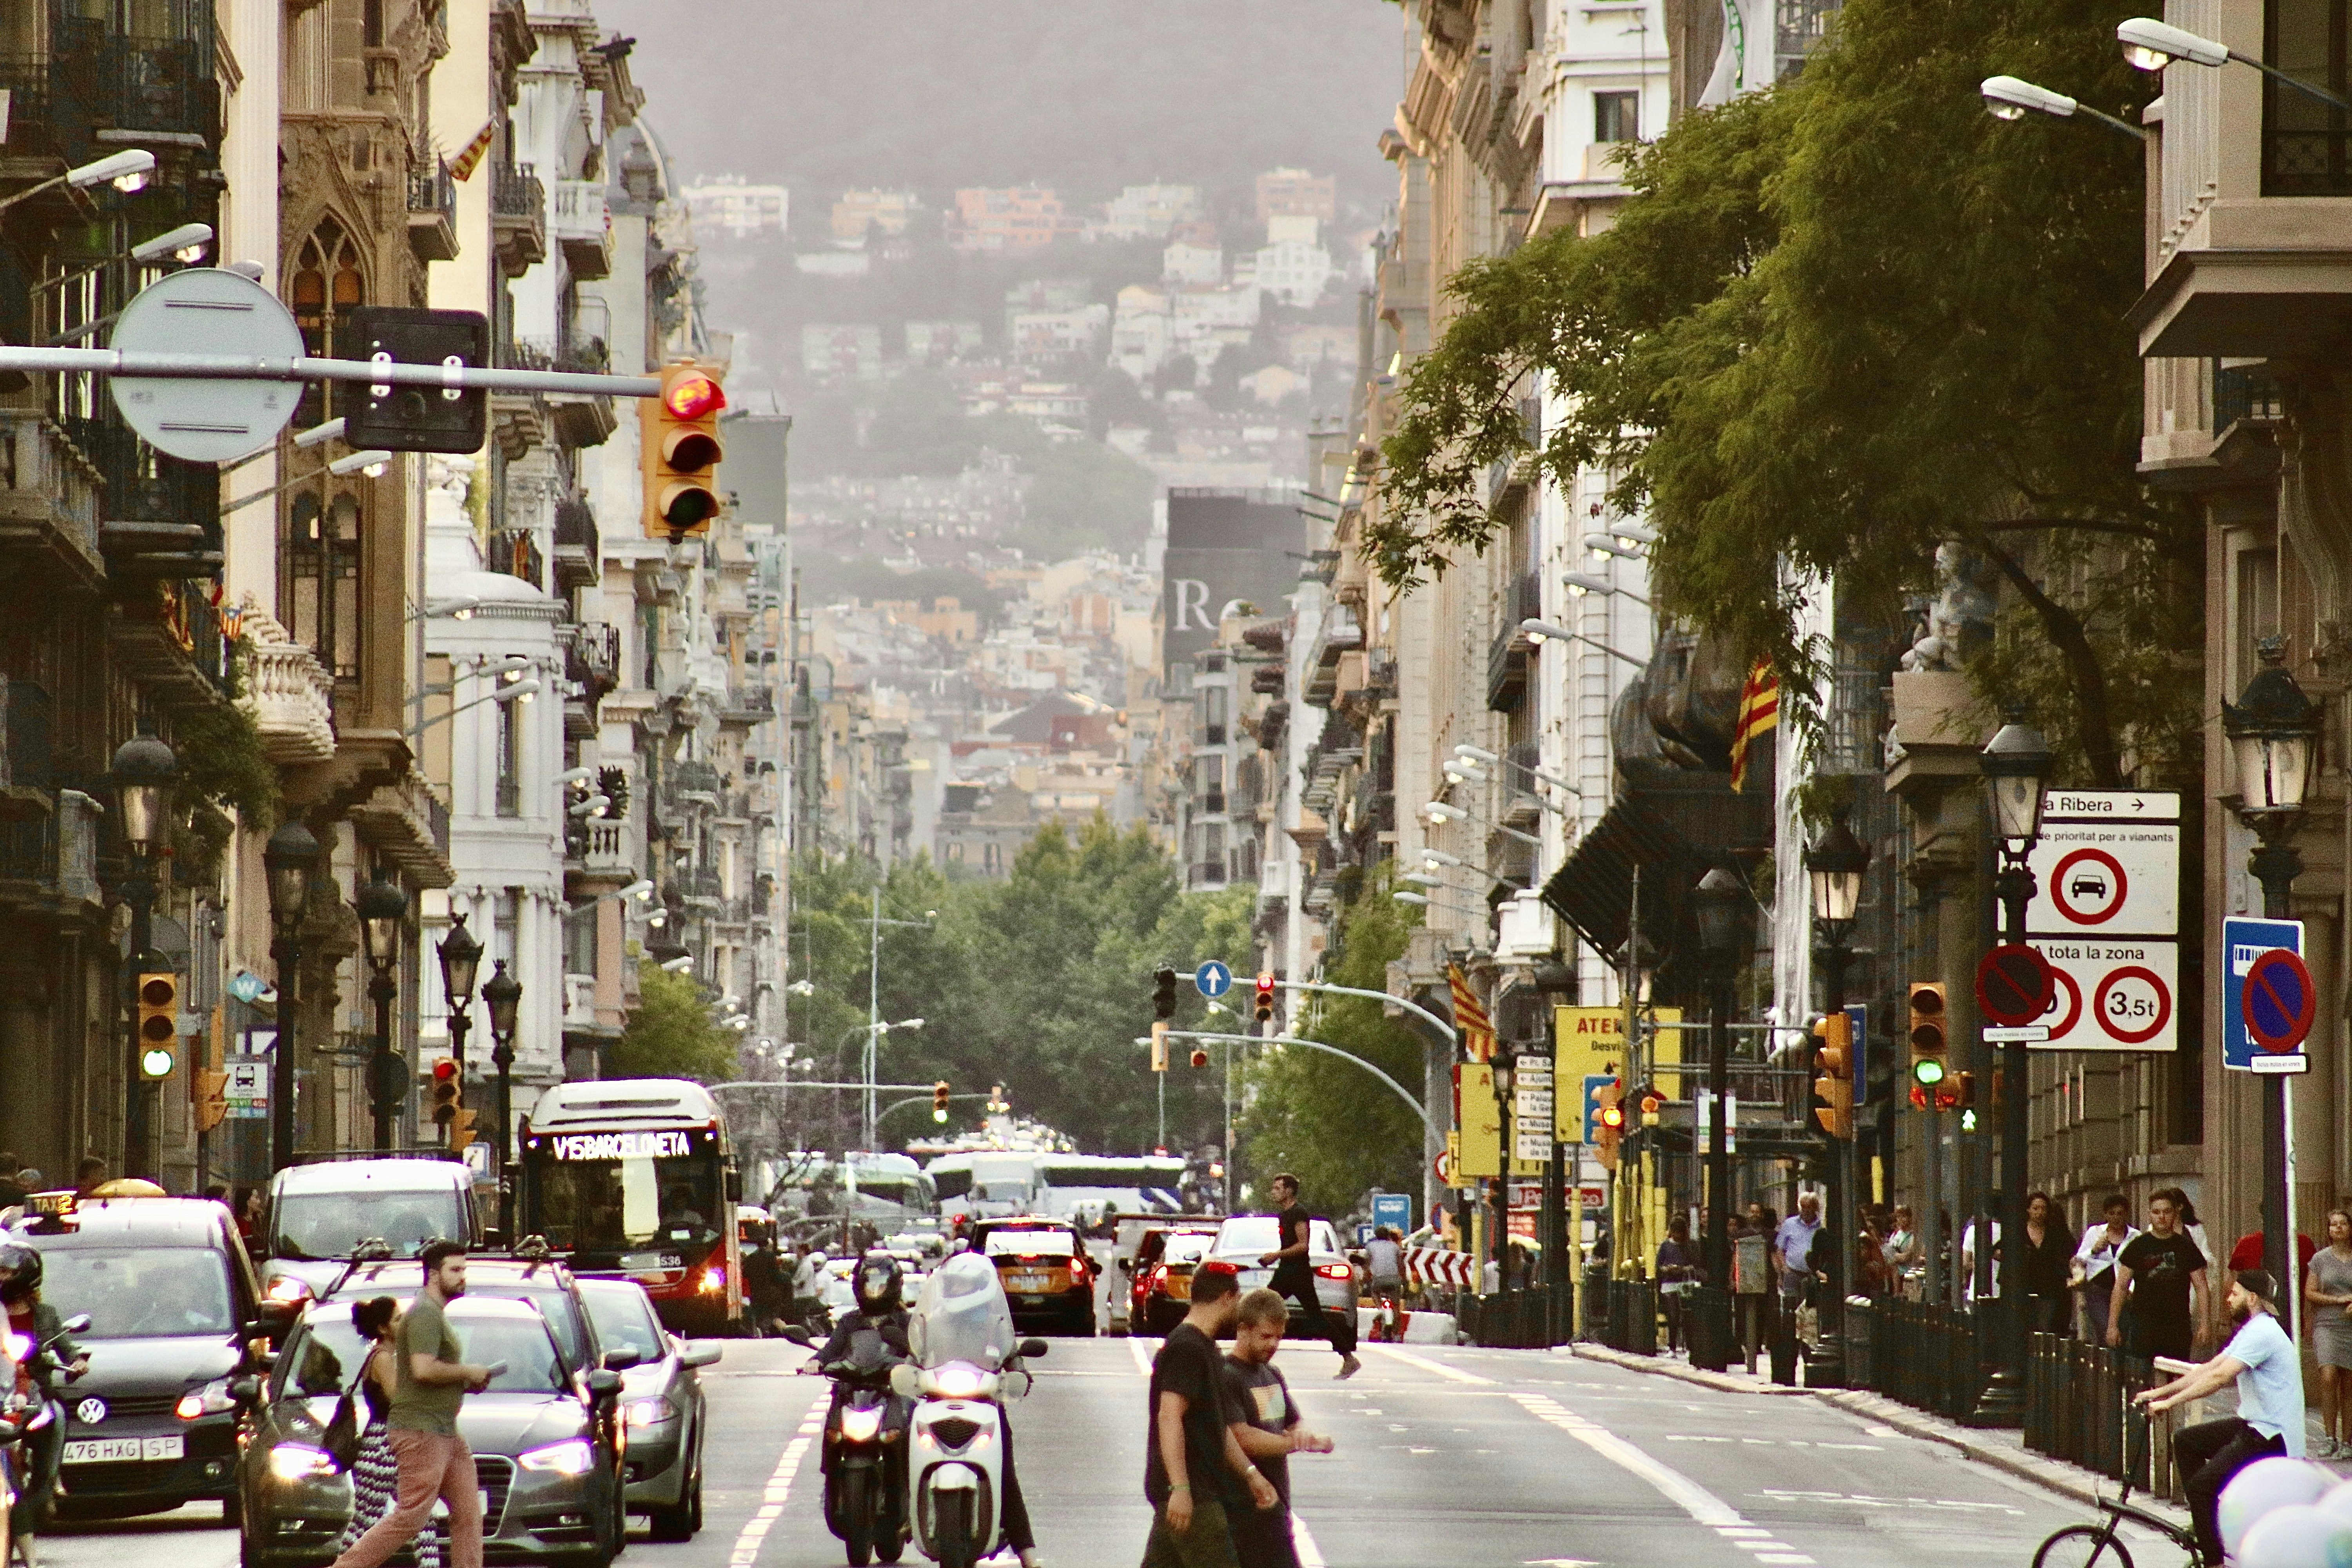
x,y
327,286
321,562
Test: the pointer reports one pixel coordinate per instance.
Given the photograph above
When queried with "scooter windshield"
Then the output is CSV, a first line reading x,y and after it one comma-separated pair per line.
x,y
962,1315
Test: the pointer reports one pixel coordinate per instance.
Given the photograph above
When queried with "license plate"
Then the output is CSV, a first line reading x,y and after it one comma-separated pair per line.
x,y
1251,1279
115,1450
1031,1283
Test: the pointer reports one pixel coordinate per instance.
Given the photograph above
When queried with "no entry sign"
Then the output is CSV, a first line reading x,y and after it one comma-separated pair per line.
x,y
2013,984
2279,1000
2107,864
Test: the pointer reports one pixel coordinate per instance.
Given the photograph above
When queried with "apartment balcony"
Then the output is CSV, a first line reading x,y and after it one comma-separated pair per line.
x,y
172,646
592,659
515,551
51,497
409,826
49,852
584,229
578,1002
1508,656
518,217
288,693
604,850
432,213
96,78
578,549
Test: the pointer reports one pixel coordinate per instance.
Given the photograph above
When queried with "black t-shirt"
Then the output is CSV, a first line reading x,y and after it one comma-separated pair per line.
x,y
1297,1224
1188,1365
2160,1267
1263,1400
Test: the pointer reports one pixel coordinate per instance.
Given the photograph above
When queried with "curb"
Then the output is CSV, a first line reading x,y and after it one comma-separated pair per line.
x,y
2051,1475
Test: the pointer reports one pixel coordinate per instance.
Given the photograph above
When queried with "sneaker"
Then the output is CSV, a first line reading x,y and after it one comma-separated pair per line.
x,y
1349,1367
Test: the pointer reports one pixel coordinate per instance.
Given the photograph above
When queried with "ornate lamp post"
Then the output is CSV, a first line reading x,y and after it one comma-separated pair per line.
x,y
1720,907
382,911
289,857
142,773
2272,729
461,960
503,993
2016,763
1834,865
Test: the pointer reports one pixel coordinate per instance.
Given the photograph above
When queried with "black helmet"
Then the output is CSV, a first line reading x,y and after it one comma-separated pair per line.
x,y
880,1282
21,1266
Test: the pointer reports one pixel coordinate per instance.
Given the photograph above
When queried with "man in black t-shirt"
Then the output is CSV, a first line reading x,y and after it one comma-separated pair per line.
x,y
1268,1428
1293,1274
2159,1286
1195,1472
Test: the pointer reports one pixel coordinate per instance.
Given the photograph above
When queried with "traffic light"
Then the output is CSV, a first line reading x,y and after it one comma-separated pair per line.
x,y
1653,1106
159,1024
1929,1042
679,451
1200,1057
449,1096
1833,1090
1962,1096
461,1132
940,1100
1163,993
997,1104
1604,1116
1159,1044
1263,1009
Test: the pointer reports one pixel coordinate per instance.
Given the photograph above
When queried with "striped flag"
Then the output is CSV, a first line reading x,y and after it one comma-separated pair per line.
x,y
1470,1021
463,166
1759,710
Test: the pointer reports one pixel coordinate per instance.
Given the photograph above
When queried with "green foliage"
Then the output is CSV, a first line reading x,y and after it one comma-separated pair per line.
x,y
1840,324
670,1032
222,769
1340,1130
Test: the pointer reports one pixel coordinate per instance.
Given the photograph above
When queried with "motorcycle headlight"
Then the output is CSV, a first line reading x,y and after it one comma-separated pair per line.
x,y
651,1412
20,1348
572,1458
298,1462
860,1425
957,1381
212,1399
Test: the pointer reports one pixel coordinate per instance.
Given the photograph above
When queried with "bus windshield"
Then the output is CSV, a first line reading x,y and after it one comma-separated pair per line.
x,y
613,1205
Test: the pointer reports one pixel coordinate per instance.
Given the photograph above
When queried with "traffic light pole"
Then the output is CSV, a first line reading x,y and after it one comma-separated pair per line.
x,y
1328,1050
238,367
139,1120
2003,1404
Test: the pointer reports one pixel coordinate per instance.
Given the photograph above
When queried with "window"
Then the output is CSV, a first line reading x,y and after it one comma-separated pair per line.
x,y
510,786
1616,117
327,286
2306,144
322,568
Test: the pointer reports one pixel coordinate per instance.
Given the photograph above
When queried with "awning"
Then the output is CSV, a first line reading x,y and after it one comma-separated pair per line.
x,y
1675,827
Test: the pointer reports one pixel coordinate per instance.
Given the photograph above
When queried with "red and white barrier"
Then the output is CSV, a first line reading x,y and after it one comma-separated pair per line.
x,y
1427,1266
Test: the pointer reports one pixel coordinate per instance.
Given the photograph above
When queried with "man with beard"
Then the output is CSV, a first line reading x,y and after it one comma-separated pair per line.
x,y
2269,1421
431,1380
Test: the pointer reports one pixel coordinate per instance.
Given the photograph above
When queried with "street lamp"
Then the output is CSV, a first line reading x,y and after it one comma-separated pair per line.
x,y
288,859
127,171
1720,907
1834,865
2012,98
461,960
382,911
501,995
142,773
2151,46
2272,730
1541,631
1582,582
2016,763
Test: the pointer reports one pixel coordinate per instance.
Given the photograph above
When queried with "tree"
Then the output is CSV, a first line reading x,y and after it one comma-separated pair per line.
x,y
670,1034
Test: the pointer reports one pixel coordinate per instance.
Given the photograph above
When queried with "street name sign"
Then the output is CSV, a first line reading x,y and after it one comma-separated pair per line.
x,y
2245,940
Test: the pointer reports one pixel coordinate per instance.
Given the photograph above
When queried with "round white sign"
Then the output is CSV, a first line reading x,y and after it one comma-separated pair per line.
x,y
206,311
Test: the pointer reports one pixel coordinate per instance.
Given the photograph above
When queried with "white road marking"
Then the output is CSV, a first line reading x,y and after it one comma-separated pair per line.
x,y
778,1492
1865,1500
1142,1361
1439,1367
1676,1488
1302,1541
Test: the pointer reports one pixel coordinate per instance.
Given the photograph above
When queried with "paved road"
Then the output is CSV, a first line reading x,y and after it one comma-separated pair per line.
x,y
1471,1458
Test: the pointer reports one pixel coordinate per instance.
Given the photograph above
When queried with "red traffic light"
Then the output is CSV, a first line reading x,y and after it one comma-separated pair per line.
x,y
692,396
1200,1057
445,1070
1613,1116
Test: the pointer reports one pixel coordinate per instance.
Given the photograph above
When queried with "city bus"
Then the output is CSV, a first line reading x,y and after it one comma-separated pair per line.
x,y
634,1178
1082,1186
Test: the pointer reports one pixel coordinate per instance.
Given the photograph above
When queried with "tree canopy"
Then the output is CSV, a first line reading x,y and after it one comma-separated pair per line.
x,y
670,1032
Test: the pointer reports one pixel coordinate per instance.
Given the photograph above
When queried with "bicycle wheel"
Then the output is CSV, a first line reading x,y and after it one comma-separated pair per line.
x,y
2082,1546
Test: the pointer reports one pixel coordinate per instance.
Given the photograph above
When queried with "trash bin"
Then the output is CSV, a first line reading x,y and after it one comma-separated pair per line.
x,y
1784,1355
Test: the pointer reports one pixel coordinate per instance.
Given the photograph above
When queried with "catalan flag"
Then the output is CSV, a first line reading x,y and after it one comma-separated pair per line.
x,y
463,166
1759,710
1476,1031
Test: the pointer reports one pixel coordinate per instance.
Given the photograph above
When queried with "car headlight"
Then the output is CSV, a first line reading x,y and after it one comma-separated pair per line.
x,y
860,1425
289,1288
714,1280
572,1458
298,1462
651,1412
957,1381
212,1399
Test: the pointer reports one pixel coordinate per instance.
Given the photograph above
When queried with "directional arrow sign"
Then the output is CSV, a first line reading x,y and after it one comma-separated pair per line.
x,y
2280,1001
1213,979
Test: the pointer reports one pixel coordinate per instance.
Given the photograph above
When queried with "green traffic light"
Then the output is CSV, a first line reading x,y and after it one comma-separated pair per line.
x,y
938,1116
1967,1121
1927,1071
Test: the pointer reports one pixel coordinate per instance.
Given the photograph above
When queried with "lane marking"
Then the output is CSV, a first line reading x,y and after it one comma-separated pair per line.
x,y
779,1488
1142,1361
1302,1541
1439,1367
1676,1488
1866,1500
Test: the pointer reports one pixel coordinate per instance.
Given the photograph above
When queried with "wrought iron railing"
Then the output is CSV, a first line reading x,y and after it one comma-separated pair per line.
x,y
434,190
516,193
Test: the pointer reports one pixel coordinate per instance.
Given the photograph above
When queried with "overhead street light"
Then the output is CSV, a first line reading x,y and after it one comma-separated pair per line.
x,y
320,435
1440,857
2151,46
1441,812
2012,98
372,462
186,243
1542,631
680,965
1611,544
1582,582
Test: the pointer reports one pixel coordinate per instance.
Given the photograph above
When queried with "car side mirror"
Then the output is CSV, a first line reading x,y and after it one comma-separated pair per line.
x,y
703,1352
244,1389
604,1385
905,1382
734,1186
622,1359
273,1317
798,1335
1031,1349
77,1324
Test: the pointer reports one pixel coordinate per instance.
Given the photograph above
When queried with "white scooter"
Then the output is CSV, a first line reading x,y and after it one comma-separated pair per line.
x,y
967,1363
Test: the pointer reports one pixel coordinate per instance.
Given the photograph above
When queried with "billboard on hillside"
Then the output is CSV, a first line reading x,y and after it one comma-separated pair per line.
x,y
1224,546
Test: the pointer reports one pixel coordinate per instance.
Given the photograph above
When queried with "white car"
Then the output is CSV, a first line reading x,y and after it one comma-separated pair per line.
x,y
1245,1238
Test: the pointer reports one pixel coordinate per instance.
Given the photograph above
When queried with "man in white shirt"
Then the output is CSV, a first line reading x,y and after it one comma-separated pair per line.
x,y
1792,1246
2269,1373
2095,1262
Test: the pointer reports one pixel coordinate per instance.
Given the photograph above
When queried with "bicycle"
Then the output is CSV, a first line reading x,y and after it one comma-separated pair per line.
x,y
2093,1545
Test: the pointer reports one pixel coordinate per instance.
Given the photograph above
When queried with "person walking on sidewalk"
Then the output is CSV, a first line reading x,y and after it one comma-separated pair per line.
x,y
1195,1474
1293,1274
2269,1373
1793,1249
2327,1291
2159,1286
431,1380
2094,1263
1267,1426
1677,1267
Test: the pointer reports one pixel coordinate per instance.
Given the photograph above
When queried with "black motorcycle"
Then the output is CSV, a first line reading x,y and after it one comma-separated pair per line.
x,y
865,1453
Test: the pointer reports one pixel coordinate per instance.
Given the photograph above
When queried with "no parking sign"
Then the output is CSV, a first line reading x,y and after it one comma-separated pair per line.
x,y
2255,951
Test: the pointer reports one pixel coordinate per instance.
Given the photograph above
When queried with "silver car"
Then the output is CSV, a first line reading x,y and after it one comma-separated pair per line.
x,y
662,1403
1245,1238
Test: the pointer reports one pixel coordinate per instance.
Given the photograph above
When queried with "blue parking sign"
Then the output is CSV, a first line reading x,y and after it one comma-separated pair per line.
x,y
1393,1209
2244,940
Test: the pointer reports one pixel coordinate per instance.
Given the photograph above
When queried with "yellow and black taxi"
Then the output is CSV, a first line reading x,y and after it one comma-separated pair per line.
x,y
1048,1279
548,1495
176,1317
1159,1275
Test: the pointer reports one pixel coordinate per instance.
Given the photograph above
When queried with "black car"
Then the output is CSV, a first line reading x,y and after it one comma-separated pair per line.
x,y
174,1311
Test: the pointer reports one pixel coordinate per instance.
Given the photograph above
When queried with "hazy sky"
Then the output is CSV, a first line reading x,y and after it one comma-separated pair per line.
x,y
1084,94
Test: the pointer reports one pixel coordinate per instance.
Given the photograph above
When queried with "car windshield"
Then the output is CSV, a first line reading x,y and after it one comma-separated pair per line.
x,y
624,1320
140,1292
553,1300
1186,1248
332,1225
1029,1243
324,1354
1250,1233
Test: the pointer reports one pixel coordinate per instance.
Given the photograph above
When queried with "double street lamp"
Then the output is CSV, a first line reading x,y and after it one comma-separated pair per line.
x,y
290,859
1720,906
502,996
461,960
2274,731
1834,865
143,772
382,911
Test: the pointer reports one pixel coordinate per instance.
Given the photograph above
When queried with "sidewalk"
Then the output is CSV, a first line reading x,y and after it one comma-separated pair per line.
x,y
2003,1447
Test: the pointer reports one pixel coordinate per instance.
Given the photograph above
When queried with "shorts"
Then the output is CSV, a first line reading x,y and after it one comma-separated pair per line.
x,y
1208,1545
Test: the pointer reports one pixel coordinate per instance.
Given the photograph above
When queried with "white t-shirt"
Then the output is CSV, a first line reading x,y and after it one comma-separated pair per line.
x,y
2269,1389
2097,1252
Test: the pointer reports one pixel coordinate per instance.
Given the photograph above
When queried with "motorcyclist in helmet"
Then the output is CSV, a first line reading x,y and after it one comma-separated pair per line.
x,y
880,1285
27,1315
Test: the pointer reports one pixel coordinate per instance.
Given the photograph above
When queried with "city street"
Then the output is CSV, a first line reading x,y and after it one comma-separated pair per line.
x,y
1483,1459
